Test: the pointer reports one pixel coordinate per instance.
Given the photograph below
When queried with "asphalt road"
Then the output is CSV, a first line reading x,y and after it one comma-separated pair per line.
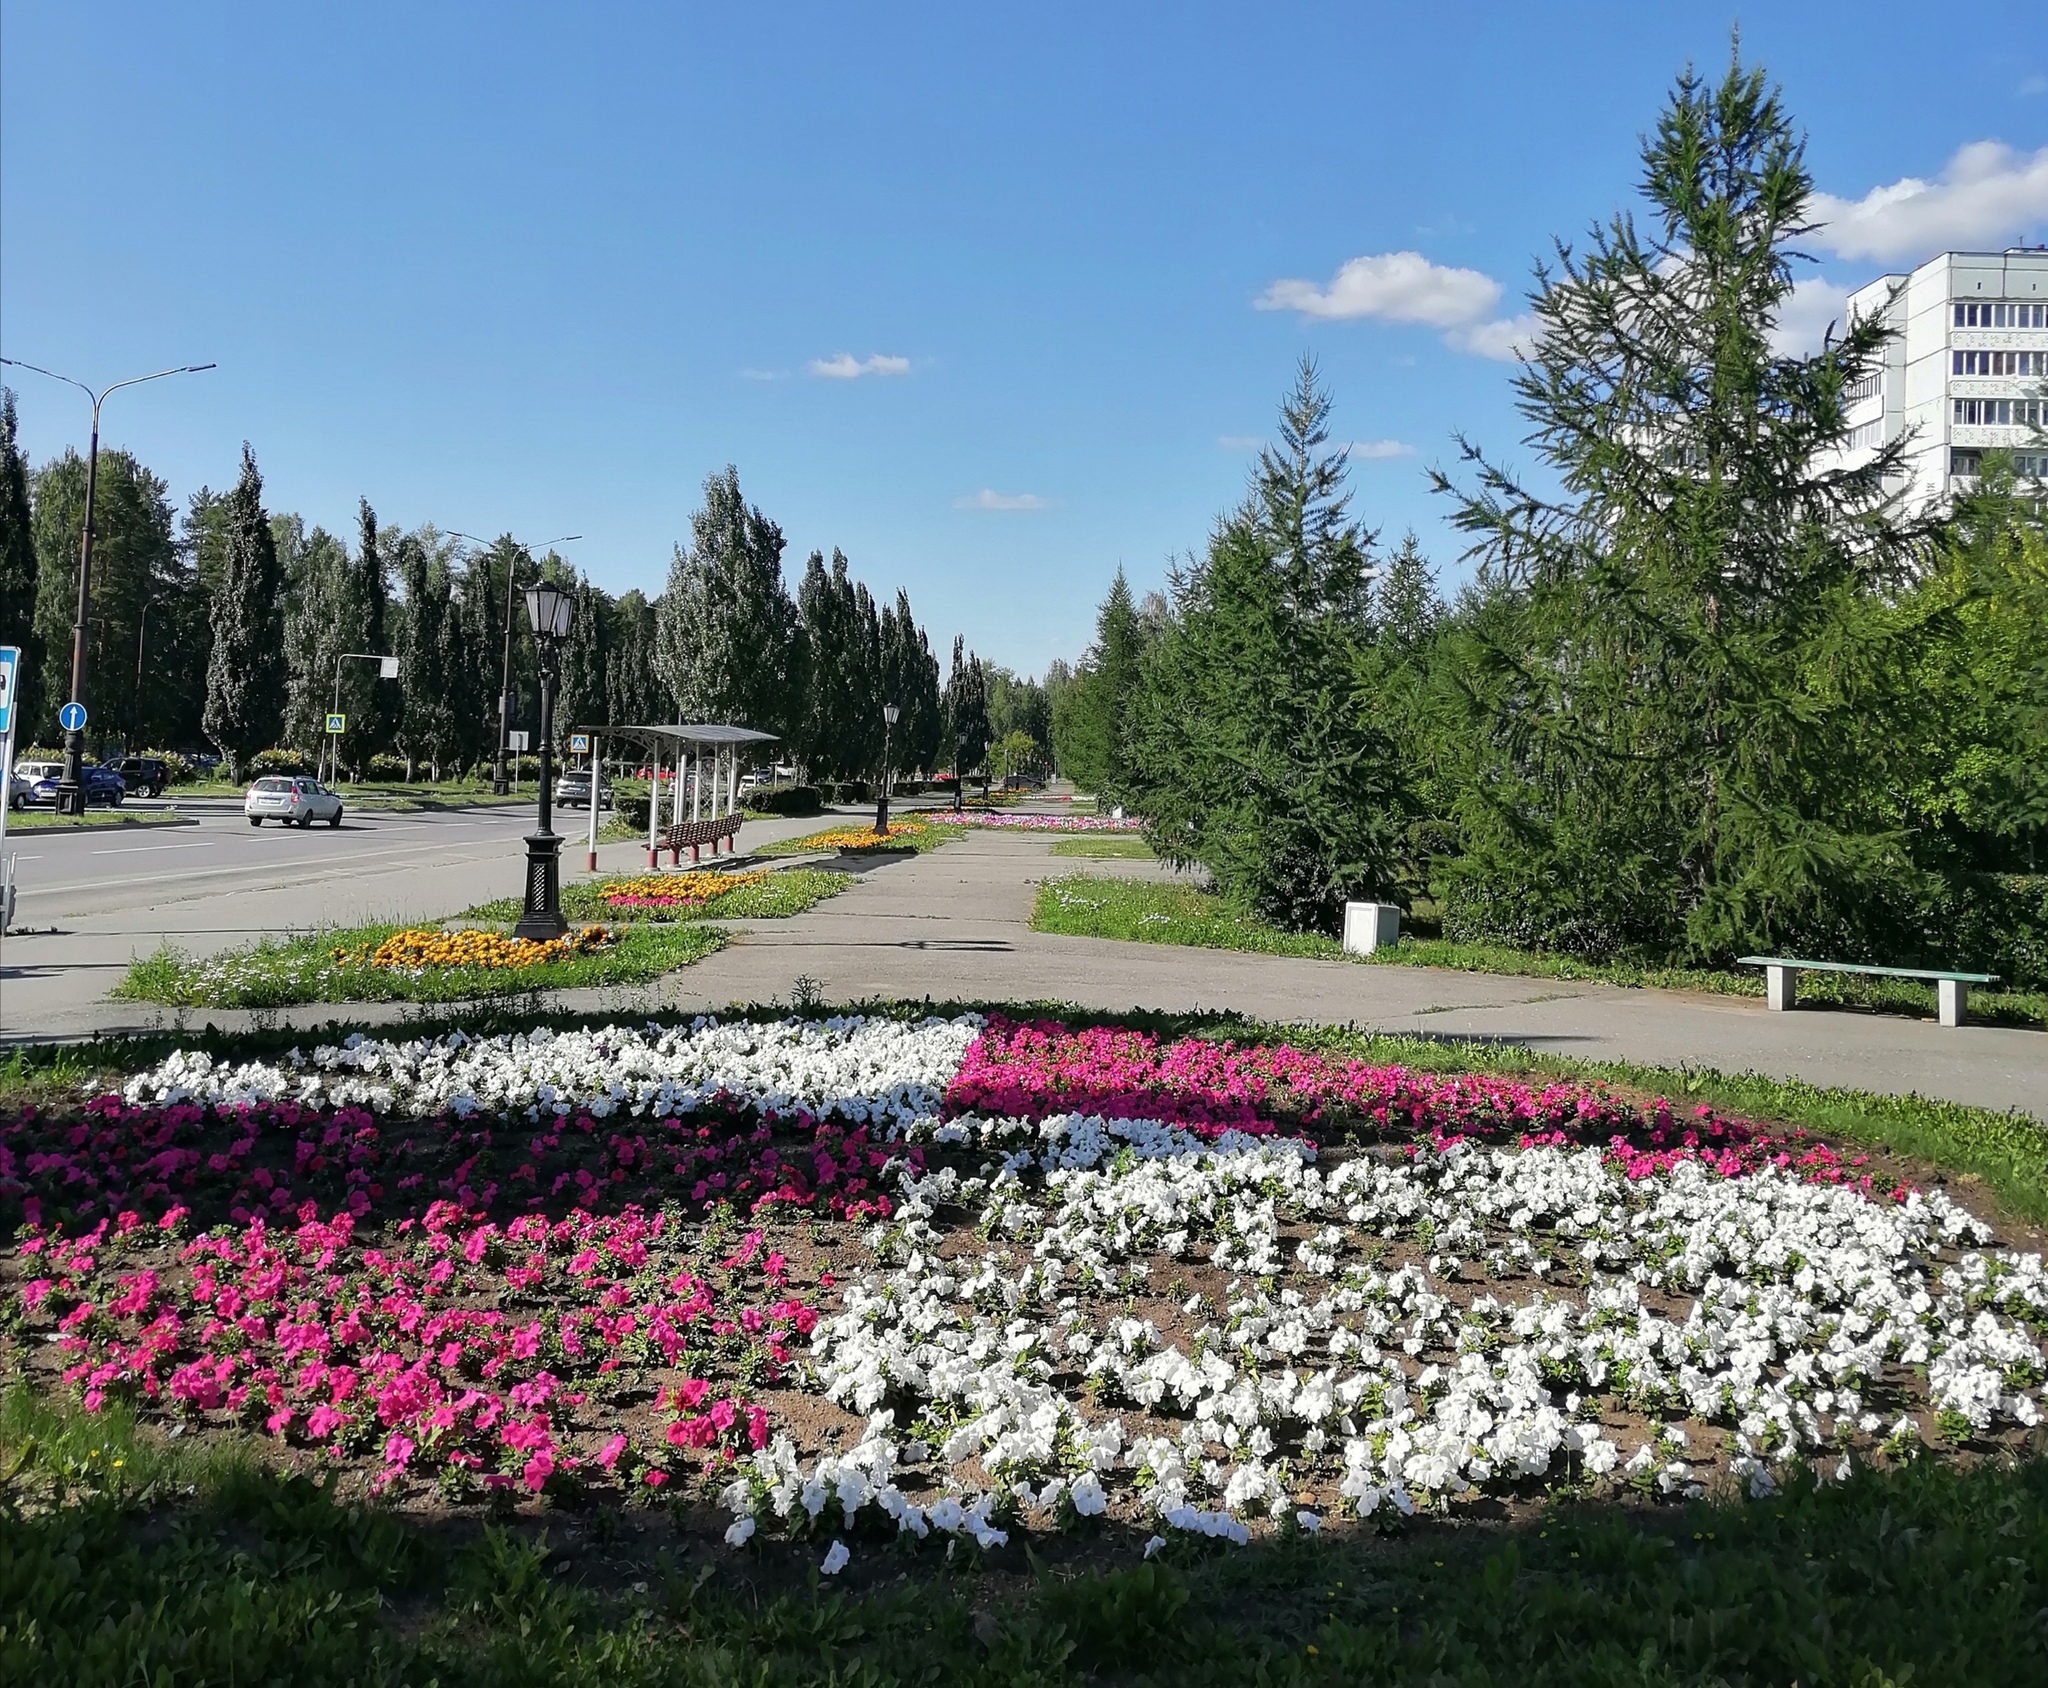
x,y
89,902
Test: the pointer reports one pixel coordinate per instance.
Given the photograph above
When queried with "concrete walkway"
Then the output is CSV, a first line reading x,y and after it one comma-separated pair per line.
x,y
955,924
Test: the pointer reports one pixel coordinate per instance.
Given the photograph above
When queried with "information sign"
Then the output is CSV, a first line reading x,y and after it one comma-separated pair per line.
x,y
10,667
518,741
337,723
72,717
579,744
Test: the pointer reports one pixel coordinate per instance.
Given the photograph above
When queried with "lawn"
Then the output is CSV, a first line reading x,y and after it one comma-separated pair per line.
x,y
1088,906
1105,845
96,820
402,1359
711,895
285,971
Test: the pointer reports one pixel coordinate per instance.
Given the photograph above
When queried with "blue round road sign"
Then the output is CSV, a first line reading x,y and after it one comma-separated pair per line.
x,y
71,717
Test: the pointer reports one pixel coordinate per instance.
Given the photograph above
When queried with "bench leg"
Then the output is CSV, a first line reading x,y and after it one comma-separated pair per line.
x,y
1952,995
1781,987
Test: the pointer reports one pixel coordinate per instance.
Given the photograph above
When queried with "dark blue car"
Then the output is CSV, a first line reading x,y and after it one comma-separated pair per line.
x,y
35,786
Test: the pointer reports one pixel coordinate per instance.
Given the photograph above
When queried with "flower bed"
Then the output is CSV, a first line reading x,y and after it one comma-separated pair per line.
x,y
673,892
951,1280
1049,823
416,949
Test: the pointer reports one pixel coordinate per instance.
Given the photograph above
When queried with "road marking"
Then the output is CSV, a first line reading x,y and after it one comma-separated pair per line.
x,y
132,849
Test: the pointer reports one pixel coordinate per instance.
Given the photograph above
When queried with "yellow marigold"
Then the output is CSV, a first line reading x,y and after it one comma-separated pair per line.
x,y
673,890
865,837
417,948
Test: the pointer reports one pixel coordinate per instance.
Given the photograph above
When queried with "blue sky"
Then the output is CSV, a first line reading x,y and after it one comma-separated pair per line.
x,y
992,298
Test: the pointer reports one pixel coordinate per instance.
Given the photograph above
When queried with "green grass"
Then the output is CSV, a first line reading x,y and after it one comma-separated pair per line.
x,y
204,1567
47,820
929,836
1115,846
284,972
782,894
1149,912
1090,906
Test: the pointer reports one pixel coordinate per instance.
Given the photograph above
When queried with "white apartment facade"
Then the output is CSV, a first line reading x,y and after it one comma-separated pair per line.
x,y
1965,371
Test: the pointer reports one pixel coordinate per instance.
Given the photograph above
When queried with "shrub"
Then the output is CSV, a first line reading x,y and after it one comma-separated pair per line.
x,y
385,766
853,791
785,800
282,760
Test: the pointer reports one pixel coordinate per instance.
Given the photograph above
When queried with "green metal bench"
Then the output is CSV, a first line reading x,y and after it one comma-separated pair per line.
x,y
1781,980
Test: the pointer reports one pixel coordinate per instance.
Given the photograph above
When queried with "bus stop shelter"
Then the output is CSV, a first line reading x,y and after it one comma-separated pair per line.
x,y
714,817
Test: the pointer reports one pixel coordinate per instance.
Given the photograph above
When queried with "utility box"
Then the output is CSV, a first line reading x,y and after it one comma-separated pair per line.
x,y
1370,926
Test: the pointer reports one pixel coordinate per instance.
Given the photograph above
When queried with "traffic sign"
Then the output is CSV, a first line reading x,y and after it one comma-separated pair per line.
x,y
579,744
72,717
337,723
10,666
518,740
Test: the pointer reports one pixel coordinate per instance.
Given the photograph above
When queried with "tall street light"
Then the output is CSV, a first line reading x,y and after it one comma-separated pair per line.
x,y
499,784
548,610
889,714
71,788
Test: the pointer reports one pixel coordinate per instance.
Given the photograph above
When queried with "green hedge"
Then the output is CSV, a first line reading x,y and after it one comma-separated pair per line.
x,y
787,800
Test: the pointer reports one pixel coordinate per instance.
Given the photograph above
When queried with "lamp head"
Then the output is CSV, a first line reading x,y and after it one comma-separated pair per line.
x,y
889,713
548,610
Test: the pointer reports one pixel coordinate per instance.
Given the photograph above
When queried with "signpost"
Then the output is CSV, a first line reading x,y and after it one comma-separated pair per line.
x,y
517,744
337,724
10,675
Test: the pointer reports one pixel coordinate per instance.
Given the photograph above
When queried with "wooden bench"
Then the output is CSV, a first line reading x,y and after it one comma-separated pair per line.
x,y
692,836
1781,980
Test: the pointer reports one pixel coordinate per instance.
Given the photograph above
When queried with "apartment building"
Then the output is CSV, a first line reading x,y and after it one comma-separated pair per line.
x,y
1966,370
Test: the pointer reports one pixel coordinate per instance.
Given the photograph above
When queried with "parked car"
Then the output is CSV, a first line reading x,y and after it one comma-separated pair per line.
x,y
287,798
34,785
146,774
572,791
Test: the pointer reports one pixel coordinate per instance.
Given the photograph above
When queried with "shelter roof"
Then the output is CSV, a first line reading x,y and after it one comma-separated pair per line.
x,y
689,733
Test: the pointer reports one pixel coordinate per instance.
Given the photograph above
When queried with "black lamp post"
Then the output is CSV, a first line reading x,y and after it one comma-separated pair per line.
x,y
889,713
548,611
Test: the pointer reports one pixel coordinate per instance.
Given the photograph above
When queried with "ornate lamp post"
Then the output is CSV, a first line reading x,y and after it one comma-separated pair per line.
x,y
548,611
889,714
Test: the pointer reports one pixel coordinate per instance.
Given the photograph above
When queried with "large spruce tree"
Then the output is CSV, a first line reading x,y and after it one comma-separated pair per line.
x,y
1255,747
245,676
1675,691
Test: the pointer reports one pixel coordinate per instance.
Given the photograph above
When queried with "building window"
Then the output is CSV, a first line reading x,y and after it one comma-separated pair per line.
x,y
1866,388
1865,435
1962,462
2033,465
2002,316
2001,413
1998,363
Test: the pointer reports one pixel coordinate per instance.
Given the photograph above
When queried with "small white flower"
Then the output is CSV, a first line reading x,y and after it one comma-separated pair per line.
x,y
1089,1500
1309,1522
835,1559
740,1533
1154,1545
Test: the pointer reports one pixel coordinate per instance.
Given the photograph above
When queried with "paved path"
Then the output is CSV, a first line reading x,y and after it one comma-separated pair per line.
x,y
952,924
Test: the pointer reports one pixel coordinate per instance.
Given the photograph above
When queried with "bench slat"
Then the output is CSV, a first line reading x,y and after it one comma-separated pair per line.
x,y
1858,967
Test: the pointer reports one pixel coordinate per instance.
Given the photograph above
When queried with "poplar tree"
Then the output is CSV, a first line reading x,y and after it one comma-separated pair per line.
x,y
726,623
18,574
245,675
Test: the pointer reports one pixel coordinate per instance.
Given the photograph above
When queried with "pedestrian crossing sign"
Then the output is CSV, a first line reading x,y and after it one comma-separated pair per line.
x,y
337,723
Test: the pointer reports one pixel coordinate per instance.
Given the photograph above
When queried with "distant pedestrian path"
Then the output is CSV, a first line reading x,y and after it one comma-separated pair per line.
x,y
956,924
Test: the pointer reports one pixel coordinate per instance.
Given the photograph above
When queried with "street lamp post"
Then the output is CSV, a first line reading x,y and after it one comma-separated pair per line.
x,y
499,785
889,714
71,788
548,610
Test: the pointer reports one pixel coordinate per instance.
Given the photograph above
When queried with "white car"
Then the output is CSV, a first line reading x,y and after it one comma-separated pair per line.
x,y
277,797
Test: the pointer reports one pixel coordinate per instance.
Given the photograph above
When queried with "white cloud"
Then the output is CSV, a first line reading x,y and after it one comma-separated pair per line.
x,y
1503,341
1988,194
1804,318
844,366
1381,448
1405,287
989,499
1392,287
1239,442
